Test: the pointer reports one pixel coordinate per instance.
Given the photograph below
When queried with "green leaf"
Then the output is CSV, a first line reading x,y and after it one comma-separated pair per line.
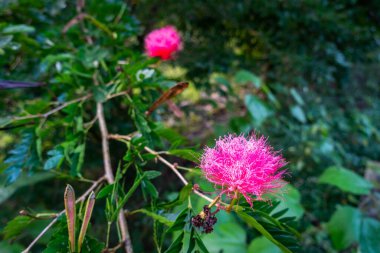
x,y
92,245
10,248
59,242
179,222
151,174
257,109
346,180
187,154
182,196
16,226
344,227
24,156
298,113
176,246
369,237
253,223
126,197
4,40
105,191
100,93
290,200
19,29
262,245
297,97
244,76
5,121
227,237
156,217
55,160
142,125
169,134
149,188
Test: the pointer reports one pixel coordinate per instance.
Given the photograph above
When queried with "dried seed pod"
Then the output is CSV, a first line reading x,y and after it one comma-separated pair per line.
x,y
69,199
86,219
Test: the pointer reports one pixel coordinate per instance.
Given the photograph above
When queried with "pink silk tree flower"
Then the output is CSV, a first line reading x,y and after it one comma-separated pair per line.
x,y
163,43
243,165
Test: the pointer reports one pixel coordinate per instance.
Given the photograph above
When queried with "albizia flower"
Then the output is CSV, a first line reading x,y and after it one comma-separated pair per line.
x,y
163,43
243,165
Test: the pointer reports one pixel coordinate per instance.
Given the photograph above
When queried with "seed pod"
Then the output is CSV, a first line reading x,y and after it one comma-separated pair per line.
x,y
86,219
69,199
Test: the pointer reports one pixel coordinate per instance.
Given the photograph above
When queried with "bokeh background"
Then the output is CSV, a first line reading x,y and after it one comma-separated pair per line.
x,y
303,73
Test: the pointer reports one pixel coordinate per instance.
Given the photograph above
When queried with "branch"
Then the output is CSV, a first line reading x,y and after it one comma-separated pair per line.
x,y
110,177
47,114
81,198
64,105
163,160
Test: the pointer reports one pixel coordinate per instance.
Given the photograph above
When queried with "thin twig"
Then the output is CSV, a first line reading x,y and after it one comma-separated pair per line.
x,y
58,108
122,93
81,198
110,177
114,249
163,160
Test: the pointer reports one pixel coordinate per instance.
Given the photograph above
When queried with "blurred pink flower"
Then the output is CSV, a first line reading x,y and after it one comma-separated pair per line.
x,y
245,165
163,42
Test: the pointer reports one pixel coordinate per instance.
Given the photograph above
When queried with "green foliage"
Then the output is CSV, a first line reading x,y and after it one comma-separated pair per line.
x,y
16,226
369,232
303,73
346,180
262,245
344,227
349,226
229,237
23,157
291,202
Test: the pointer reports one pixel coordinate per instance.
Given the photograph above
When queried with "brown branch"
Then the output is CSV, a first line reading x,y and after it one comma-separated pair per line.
x,y
81,198
163,160
64,105
110,177
47,114
73,22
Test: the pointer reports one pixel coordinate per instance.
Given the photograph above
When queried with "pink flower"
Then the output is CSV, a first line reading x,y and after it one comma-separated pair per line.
x,y
243,165
163,43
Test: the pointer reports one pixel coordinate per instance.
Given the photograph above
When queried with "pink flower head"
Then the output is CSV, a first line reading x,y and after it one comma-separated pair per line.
x,y
163,43
243,165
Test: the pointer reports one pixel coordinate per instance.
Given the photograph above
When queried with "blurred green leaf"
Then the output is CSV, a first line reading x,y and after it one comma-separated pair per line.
x,y
257,109
100,93
262,245
291,200
244,76
297,97
19,29
369,237
227,237
344,227
4,40
55,160
16,226
5,121
298,113
152,174
10,248
346,180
